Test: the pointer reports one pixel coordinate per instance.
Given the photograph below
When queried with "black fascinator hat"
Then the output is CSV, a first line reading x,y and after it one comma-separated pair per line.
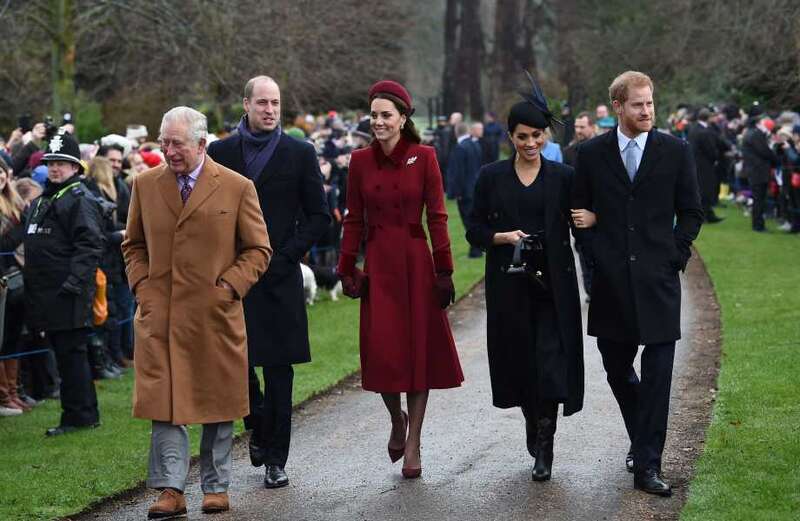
x,y
532,111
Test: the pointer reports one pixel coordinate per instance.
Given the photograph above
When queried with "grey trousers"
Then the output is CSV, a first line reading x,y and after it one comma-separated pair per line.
x,y
169,457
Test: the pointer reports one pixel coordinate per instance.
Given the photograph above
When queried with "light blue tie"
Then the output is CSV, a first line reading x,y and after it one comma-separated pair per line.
x,y
630,158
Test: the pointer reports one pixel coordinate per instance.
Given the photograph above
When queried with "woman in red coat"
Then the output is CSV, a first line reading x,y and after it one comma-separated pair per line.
x,y
405,338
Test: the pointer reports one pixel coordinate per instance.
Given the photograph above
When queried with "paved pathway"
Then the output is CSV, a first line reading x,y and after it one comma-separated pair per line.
x,y
475,465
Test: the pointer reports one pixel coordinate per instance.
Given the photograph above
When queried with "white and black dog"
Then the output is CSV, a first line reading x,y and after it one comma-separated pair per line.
x,y
315,277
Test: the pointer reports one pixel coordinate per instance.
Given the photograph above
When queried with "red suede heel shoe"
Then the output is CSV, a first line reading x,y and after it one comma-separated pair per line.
x,y
396,454
412,473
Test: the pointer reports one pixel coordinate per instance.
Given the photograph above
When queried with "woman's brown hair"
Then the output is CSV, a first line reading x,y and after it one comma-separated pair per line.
x,y
11,204
409,131
100,170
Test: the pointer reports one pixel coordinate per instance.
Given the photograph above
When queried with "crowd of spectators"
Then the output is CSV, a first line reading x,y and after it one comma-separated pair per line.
x,y
756,164
751,159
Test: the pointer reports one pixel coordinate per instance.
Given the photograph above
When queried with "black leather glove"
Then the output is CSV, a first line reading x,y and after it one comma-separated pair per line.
x,y
445,289
357,285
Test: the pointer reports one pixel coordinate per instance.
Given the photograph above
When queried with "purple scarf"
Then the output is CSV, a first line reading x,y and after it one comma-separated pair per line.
x,y
257,148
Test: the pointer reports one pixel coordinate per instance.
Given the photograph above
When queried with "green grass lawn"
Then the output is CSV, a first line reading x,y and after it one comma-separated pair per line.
x,y
42,478
749,468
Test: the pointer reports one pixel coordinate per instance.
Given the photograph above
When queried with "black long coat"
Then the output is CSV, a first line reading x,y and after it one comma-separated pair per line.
x,y
62,254
495,209
706,150
293,202
638,246
758,158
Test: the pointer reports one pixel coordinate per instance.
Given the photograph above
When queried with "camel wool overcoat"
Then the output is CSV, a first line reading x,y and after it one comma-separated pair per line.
x,y
190,340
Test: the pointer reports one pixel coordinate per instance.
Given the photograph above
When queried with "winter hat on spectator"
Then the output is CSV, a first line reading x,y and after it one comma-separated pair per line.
x,y
786,132
395,89
112,139
768,124
136,132
755,110
39,174
151,159
35,159
63,147
362,129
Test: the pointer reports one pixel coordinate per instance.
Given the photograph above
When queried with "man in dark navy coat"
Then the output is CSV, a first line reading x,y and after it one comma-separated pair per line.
x,y
463,167
289,185
707,147
642,185
758,160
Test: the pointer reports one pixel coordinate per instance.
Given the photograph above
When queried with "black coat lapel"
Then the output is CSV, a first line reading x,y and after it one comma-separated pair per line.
x,y
613,157
508,192
652,153
236,154
551,195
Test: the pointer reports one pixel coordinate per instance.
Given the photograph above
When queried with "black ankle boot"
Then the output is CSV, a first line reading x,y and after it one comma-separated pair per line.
x,y
546,429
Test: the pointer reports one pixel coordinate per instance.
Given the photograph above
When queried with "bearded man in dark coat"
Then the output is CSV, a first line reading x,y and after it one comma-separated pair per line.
x,y
642,185
289,185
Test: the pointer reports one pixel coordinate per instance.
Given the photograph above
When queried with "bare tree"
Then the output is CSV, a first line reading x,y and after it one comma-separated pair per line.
x,y
470,59
449,87
138,57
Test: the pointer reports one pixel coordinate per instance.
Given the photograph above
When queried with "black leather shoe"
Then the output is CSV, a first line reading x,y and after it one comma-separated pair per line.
x,y
649,480
714,219
275,477
66,429
256,453
629,461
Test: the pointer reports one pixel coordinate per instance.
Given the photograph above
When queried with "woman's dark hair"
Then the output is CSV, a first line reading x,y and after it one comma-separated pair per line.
x,y
409,131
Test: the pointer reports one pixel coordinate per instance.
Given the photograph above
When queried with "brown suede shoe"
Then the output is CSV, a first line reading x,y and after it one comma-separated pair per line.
x,y
170,504
216,503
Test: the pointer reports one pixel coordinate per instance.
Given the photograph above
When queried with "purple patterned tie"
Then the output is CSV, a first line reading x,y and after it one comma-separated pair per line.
x,y
186,188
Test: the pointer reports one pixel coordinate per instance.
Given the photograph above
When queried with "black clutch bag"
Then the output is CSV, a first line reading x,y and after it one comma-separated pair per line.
x,y
529,260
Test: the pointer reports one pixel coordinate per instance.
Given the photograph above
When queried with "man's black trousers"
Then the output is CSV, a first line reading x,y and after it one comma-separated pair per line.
x,y
644,403
78,396
271,412
759,205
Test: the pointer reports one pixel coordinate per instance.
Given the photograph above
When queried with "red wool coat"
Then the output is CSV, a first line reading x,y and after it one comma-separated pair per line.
x,y
406,343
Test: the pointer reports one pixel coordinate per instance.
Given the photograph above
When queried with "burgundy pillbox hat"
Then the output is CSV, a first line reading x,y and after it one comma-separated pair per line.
x,y
393,88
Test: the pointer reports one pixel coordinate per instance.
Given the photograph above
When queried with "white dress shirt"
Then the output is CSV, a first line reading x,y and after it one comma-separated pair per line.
x,y
641,140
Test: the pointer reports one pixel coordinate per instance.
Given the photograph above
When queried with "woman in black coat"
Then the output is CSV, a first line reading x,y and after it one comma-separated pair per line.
x,y
534,334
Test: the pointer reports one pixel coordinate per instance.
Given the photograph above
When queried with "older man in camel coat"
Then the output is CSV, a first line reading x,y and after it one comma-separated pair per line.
x,y
196,242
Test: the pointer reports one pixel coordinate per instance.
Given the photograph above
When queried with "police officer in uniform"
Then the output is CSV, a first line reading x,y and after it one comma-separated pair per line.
x,y
63,246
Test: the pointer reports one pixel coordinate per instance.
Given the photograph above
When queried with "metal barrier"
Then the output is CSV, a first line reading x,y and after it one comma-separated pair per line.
x,y
27,353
